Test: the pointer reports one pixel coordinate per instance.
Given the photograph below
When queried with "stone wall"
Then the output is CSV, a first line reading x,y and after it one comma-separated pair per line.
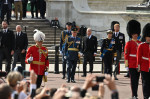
x,y
111,5
74,10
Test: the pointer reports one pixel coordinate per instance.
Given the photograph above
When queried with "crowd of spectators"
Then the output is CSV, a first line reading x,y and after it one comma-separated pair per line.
x,y
18,87
7,6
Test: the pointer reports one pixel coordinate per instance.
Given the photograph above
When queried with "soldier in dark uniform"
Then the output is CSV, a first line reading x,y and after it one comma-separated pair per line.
x,y
72,47
120,43
24,3
64,35
107,52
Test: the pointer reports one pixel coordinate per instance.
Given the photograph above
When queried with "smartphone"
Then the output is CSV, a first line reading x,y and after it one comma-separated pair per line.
x,y
3,74
95,88
100,79
26,73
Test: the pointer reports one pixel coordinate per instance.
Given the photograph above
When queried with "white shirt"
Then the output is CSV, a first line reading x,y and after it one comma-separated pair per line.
x,y
90,36
5,30
18,33
116,34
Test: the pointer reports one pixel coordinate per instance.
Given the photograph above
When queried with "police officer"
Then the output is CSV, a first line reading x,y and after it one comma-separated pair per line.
x,y
120,43
134,30
143,56
64,36
107,52
72,47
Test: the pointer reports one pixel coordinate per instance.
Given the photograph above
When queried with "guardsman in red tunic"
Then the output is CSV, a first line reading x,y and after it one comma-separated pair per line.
x,y
134,30
37,57
143,61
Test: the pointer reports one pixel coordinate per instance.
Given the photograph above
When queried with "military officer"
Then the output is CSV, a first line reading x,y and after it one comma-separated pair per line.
x,y
133,30
37,57
120,43
143,61
107,52
72,47
64,36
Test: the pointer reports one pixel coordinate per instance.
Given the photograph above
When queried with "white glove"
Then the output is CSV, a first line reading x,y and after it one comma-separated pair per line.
x,y
30,59
127,68
46,73
115,58
65,57
100,58
81,54
60,52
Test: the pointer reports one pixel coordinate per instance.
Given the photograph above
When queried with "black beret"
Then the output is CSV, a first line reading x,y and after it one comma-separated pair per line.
x,y
133,27
146,30
74,29
112,24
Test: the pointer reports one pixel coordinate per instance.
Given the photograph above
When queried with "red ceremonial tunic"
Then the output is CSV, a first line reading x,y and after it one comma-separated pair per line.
x,y
130,53
40,59
143,57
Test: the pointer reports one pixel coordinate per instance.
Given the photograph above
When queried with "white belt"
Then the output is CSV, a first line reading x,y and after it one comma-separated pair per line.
x,y
132,55
145,58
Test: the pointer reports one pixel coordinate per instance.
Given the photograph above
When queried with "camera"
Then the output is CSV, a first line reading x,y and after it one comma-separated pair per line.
x,y
100,79
26,73
95,88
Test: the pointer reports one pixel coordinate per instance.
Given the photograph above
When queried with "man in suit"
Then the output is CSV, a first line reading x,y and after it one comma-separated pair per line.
x,y
120,43
6,9
21,43
89,50
7,45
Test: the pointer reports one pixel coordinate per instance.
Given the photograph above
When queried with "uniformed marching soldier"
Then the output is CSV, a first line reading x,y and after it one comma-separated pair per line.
x,y
134,30
143,61
37,57
72,47
64,36
107,52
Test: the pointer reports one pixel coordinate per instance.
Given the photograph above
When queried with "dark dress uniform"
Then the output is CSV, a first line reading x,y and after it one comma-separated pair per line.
x,y
72,47
88,49
108,50
120,43
64,36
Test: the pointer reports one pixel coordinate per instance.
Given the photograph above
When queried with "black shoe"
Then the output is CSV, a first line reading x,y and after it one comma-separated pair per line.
x,y
83,75
43,17
127,75
63,77
32,17
73,81
68,81
116,78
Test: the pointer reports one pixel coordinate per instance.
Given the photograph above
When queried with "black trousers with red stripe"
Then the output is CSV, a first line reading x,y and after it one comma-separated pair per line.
x,y
134,77
146,84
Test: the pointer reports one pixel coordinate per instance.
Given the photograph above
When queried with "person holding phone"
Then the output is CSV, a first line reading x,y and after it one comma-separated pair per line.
x,y
37,57
133,30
